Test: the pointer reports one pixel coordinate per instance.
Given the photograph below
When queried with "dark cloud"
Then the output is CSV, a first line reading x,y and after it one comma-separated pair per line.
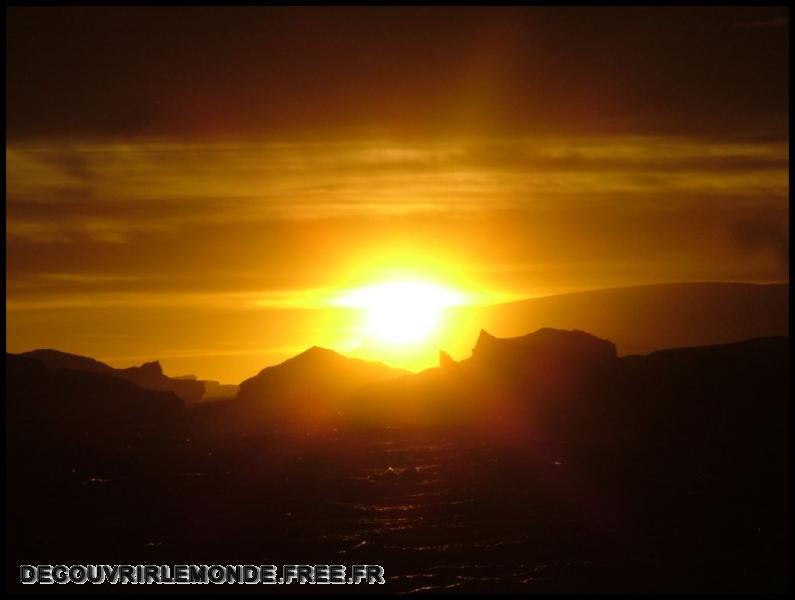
x,y
275,71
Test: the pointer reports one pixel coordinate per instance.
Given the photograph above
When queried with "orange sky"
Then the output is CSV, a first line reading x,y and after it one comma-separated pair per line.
x,y
171,218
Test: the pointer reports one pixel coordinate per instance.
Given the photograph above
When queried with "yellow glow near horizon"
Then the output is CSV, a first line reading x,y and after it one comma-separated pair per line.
x,y
402,312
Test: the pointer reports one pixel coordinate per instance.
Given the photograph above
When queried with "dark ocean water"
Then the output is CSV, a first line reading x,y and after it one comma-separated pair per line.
x,y
438,510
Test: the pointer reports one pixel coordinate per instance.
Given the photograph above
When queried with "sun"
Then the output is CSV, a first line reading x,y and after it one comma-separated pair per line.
x,y
402,312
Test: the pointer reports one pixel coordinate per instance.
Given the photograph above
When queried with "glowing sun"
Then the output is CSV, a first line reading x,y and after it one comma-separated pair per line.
x,y
402,312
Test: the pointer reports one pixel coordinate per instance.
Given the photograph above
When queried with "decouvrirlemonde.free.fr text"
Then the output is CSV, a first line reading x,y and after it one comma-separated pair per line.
x,y
201,574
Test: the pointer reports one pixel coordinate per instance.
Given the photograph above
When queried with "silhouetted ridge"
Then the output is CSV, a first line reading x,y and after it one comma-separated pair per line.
x,y
150,369
63,360
551,358
546,344
569,386
311,385
317,355
149,375
61,403
641,319
445,360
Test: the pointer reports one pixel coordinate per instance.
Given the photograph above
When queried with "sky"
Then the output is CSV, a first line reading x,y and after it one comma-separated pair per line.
x,y
201,186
